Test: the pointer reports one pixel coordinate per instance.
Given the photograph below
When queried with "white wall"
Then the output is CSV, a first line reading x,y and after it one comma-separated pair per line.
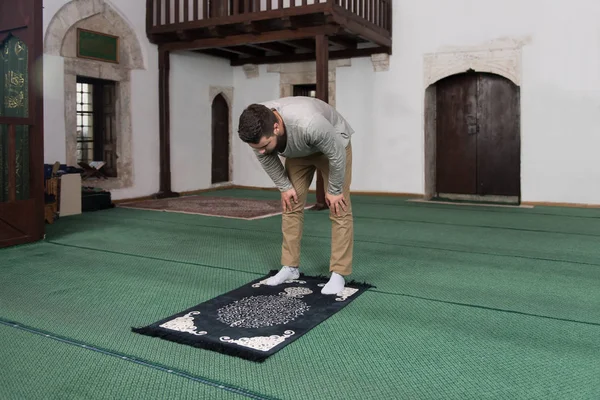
x,y
247,171
560,99
560,95
192,74
54,96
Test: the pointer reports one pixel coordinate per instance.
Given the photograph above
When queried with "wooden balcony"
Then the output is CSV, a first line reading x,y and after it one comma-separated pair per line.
x,y
271,31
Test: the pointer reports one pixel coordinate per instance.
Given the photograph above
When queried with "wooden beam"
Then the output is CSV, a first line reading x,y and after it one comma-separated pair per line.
x,y
216,32
245,50
277,47
302,44
218,53
301,33
322,45
288,23
164,66
183,35
250,27
287,58
344,42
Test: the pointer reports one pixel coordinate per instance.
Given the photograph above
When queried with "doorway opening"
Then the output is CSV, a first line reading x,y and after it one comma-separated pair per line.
x,y
220,140
309,90
472,139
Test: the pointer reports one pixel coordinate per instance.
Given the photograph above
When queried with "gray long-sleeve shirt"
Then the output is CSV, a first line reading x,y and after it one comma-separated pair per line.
x,y
311,126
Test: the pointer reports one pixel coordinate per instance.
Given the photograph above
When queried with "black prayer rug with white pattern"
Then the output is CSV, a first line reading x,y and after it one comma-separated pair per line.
x,y
255,321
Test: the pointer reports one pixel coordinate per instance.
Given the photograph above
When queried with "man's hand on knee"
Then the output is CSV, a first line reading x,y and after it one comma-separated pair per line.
x,y
336,203
286,199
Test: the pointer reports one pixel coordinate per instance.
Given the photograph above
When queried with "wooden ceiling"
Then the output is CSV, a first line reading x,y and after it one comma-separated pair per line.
x,y
271,31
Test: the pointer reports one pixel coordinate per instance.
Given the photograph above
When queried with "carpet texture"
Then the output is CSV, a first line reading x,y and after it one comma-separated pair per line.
x,y
37,367
471,303
215,206
255,321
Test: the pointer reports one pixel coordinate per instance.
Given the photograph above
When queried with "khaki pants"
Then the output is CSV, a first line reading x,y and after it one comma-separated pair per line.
x,y
300,172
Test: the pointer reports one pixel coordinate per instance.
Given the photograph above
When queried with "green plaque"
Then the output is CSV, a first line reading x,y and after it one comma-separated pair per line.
x,y
97,46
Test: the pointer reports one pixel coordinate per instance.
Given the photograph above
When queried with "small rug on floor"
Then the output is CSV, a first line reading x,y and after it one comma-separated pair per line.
x,y
255,321
227,207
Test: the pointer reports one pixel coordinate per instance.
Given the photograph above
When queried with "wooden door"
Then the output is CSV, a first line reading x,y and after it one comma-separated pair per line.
x,y
220,140
499,137
456,141
21,123
477,136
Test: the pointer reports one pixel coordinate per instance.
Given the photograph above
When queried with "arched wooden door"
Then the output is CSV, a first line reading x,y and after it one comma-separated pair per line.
x,y
21,118
220,140
478,136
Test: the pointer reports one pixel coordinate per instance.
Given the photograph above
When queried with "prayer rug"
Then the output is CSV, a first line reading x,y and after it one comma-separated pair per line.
x,y
255,321
227,207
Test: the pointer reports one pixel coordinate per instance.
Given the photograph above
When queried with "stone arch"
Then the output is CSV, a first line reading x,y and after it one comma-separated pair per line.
x,y
500,56
467,65
76,11
61,40
225,91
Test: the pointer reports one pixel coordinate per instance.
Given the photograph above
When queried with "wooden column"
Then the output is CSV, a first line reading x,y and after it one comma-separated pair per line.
x,y
322,50
164,125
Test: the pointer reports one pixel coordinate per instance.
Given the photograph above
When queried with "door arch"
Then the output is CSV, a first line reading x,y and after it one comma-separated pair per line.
x,y
220,140
473,129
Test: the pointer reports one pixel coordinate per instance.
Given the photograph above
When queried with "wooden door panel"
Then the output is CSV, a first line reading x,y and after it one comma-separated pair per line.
x,y
456,140
16,226
15,173
498,140
220,140
21,130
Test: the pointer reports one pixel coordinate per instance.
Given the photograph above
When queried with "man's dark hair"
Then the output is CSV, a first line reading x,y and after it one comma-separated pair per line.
x,y
255,122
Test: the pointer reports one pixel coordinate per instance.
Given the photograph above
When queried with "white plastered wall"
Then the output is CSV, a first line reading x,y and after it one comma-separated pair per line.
x,y
558,70
559,81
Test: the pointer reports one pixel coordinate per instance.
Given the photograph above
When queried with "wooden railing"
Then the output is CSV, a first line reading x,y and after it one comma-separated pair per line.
x,y
377,12
172,12
169,15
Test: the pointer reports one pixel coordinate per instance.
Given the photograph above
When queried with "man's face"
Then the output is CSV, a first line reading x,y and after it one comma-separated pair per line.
x,y
266,145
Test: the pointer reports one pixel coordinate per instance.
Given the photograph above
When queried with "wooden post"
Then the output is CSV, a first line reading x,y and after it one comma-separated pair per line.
x,y
218,8
164,125
322,50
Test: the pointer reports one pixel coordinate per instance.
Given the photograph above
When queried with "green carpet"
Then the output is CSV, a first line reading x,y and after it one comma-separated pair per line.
x,y
34,366
471,302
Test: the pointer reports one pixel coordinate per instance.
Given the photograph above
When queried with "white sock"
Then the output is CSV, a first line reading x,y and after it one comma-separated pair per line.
x,y
286,273
335,285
